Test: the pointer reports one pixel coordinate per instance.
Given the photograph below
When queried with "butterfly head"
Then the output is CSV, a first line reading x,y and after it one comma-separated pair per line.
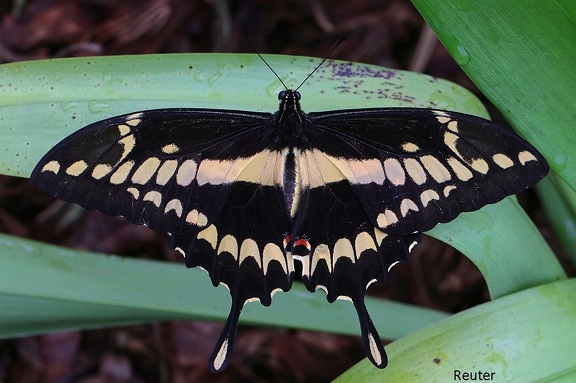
x,y
289,99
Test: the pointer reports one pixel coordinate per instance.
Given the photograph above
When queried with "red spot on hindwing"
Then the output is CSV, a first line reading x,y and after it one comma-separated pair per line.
x,y
301,247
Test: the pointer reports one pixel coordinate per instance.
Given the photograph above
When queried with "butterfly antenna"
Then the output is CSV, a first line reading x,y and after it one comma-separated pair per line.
x,y
262,58
322,62
307,77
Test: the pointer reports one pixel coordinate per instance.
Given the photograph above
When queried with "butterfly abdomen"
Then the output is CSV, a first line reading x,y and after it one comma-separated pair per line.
x,y
291,184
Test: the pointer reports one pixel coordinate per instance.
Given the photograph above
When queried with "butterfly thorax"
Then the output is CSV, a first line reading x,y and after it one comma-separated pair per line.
x,y
290,121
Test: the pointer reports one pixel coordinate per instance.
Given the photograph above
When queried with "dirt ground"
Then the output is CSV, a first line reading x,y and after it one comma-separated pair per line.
x,y
379,32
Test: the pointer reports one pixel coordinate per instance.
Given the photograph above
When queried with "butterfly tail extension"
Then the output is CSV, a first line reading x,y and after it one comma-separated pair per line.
x,y
370,338
220,357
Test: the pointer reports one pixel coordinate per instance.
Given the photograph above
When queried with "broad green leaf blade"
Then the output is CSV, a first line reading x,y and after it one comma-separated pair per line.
x,y
523,337
43,101
520,53
505,245
46,288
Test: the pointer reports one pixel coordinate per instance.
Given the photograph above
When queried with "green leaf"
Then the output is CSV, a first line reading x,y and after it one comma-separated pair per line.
x,y
523,337
505,245
521,55
46,288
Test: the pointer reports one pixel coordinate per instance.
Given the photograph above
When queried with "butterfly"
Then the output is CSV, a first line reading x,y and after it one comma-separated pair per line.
x,y
243,195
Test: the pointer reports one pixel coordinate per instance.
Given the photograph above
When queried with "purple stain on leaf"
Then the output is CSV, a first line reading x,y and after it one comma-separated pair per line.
x,y
355,70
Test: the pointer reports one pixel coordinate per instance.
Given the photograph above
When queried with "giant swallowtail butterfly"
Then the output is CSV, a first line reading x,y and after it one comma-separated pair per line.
x,y
244,194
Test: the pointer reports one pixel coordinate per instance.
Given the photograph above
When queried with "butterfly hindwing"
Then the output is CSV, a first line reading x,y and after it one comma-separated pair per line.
x,y
243,249
415,168
343,253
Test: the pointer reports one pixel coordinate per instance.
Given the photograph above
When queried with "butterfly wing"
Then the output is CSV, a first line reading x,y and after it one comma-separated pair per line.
x,y
206,177
374,179
131,165
342,252
244,250
415,168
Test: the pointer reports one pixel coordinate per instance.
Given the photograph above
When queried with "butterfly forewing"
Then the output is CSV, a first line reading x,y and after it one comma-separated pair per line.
x,y
243,194
415,168
170,170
